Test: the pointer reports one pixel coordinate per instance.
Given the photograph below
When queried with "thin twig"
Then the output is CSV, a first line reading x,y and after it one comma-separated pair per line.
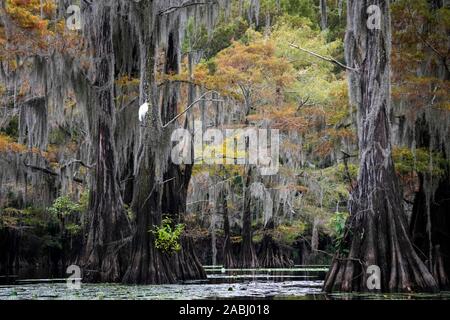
x,y
329,59
153,190
81,162
128,104
191,105
184,5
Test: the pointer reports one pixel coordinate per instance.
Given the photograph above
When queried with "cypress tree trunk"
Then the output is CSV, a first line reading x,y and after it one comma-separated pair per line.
x,y
430,222
228,259
377,231
436,253
247,258
323,14
271,254
107,220
160,186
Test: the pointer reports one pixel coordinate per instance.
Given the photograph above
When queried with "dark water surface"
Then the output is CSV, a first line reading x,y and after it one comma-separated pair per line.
x,y
302,283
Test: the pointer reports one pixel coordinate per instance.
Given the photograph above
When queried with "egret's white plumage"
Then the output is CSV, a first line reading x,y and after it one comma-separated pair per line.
x,y
143,111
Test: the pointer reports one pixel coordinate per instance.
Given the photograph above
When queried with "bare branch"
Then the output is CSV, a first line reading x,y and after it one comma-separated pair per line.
x,y
128,104
191,105
329,59
184,81
153,190
184,5
304,102
49,172
81,162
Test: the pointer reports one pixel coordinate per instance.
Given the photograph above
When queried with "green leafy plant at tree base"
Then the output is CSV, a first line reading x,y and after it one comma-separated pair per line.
x,y
337,224
168,236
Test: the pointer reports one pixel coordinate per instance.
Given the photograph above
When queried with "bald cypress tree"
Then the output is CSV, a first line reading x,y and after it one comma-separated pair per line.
x,y
108,225
377,230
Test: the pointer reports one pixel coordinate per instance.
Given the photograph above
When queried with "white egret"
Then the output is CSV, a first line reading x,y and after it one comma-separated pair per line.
x,y
143,111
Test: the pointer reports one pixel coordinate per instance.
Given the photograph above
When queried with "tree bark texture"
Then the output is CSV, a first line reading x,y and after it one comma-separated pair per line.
x,y
228,259
160,186
377,230
107,221
247,257
323,14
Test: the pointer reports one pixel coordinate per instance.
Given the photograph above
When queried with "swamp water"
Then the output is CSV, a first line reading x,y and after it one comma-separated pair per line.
x,y
299,283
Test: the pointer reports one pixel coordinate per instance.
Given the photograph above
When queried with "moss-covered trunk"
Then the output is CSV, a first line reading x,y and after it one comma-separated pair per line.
x,y
247,257
377,230
228,259
160,186
107,221
271,253
430,229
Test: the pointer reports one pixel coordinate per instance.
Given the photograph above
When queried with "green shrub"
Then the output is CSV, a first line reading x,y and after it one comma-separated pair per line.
x,y
12,129
168,236
343,175
73,229
337,224
64,206
407,162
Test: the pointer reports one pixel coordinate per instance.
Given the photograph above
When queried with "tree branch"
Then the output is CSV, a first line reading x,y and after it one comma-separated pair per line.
x,y
128,104
329,59
184,5
81,162
153,190
184,81
49,172
190,106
